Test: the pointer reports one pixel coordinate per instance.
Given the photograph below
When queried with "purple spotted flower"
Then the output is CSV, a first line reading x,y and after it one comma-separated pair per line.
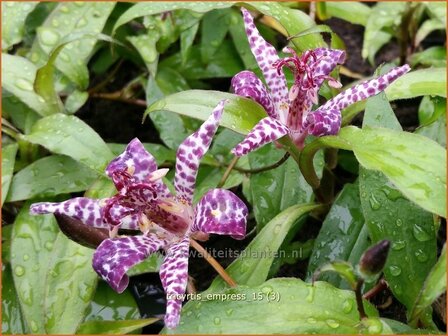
x,y
289,110
167,221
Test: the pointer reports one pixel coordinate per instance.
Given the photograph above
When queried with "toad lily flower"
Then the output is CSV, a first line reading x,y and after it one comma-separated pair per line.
x,y
289,110
167,221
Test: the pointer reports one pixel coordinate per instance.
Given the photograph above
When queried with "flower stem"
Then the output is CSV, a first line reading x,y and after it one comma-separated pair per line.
x,y
262,169
228,171
212,261
380,286
359,303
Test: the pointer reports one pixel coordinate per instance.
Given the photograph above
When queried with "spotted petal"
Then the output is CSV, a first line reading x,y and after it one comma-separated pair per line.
x,y
266,56
174,276
326,61
326,120
88,211
135,160
220,211
114,257
247,84
191,151
267,130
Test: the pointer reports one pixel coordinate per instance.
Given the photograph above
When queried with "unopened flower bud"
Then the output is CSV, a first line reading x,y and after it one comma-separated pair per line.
x,y
373,260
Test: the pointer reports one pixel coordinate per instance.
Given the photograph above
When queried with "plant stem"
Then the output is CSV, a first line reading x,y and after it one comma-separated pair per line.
x,y
118,97
212,261
228,171
262,169
381,285
359,303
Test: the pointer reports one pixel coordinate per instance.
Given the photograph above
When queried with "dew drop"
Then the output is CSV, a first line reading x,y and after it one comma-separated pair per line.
x,y
332,323
395,270
81,23
277,229
24,84
399,222
421,255
26,257
217,321
347,306
34,326
64,9
420,234
310,296
311,320
374,203
267,289
19,270
398,245
48,36
229,312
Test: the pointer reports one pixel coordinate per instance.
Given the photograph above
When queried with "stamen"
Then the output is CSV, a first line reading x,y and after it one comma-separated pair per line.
x,y
158,174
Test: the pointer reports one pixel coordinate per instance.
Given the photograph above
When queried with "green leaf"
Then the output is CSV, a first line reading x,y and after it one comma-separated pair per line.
x,y
14,15
277,189
71,18
12,319
416,83
156,7
282,305
75,101
433,56
32,243
18,75
109,305
390,216
146,46
354,12
70,286
344,269
50,176
70,136
186,41
113,327
434,286
240,114
214,27
8,160
293,21
435,131
432,117
427,27
423,180
343,235
149,265
252,266
383,18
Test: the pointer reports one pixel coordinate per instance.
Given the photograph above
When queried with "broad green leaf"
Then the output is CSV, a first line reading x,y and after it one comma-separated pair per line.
x,y
342,235
12,319
427,27
434,286
146,46
416,83
282,305
186,41
433,56
109,305
432,117
354,12
32,244
384,16
240,114
252,266
293,22
277,189
70,286
157,7
401,328
435,131
102,187
8,160
390,216
13,21
113,327
75,101
68,18
18,75
21,116
70,136
423,180
50,176
6,243
214,27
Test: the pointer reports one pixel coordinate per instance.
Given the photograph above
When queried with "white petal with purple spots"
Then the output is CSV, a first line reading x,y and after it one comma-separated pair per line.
x,y
191,151
221,212
174,277
89,211
267,130
114,257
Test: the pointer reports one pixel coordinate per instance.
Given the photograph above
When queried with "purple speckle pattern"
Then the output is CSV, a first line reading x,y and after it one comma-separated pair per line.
x,y
291,109
174,277
166,221
221,212
266,56
89,211
326,120
114,257
267,130
247,84
191,151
